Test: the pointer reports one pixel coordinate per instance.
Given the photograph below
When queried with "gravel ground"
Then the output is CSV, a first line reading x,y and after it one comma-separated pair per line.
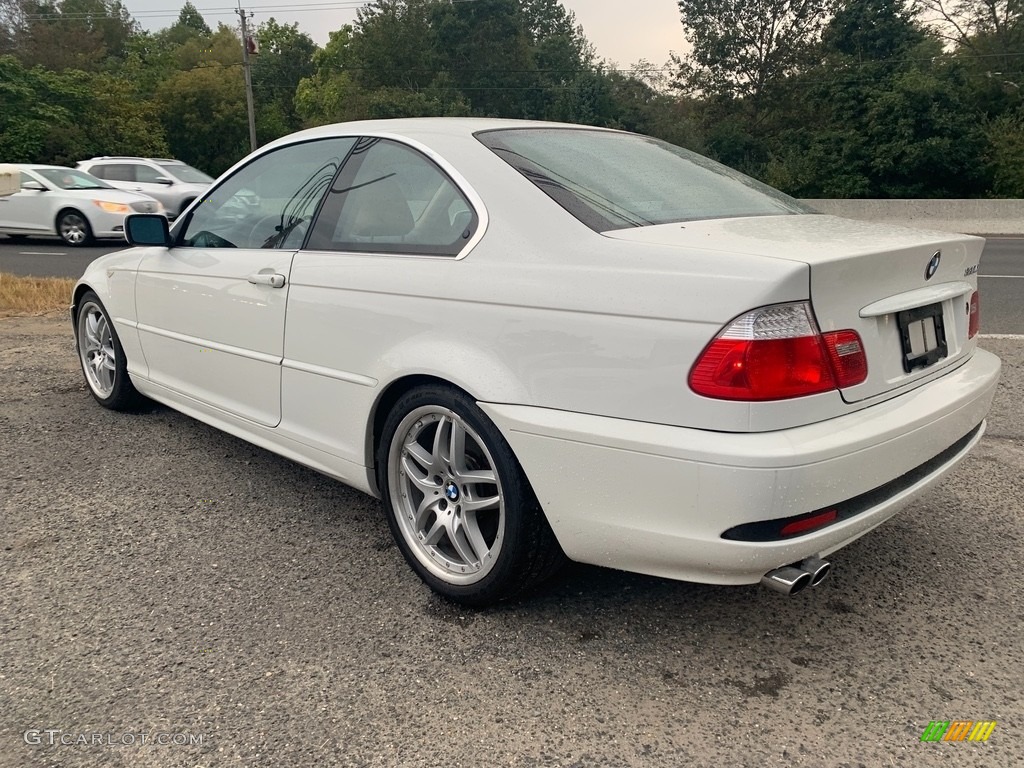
x,y
159,577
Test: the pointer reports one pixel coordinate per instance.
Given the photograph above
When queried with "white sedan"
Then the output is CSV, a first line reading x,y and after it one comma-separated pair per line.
x,y
535,341
77,207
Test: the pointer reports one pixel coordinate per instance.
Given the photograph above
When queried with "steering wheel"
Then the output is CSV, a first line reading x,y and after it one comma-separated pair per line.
x,y
207,239
261,232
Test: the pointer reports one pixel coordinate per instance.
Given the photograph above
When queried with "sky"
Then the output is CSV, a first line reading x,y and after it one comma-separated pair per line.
x,y
623,31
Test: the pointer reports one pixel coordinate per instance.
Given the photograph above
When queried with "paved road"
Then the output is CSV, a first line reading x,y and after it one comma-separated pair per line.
x,y
1001,285
1002,273
160,577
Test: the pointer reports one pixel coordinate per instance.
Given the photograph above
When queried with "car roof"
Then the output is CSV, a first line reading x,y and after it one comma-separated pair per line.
x,y
44,167
424,127
132,157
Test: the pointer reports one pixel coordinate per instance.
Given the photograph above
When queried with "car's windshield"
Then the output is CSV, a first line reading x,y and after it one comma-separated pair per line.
x,y
67,178
611,180
187,173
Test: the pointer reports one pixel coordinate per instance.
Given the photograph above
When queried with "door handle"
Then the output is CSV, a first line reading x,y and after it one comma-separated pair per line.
x,y
272,279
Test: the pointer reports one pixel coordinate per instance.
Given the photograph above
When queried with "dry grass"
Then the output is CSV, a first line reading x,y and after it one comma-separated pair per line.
x,y
33,295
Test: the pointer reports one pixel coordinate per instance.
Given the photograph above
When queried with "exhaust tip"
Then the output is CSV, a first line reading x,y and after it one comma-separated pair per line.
x,y
787,580
817,568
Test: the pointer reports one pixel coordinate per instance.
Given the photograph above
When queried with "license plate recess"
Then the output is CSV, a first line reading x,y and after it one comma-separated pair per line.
x,y
923,336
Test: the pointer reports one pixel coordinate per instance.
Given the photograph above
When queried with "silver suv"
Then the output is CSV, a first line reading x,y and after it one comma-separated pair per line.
x,y
172,182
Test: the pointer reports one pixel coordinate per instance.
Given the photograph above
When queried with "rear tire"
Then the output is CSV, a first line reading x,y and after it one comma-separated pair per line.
x,y
458,504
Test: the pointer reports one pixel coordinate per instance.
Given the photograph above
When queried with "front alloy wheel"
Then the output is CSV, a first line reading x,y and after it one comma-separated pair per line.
x,y
102,357
458,504
74,229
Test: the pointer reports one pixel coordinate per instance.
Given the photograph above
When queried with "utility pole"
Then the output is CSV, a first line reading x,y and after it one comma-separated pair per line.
x,y
246,68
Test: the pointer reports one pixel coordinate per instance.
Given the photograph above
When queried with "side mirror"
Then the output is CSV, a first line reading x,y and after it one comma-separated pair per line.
x,y
163,180
33,185
147,229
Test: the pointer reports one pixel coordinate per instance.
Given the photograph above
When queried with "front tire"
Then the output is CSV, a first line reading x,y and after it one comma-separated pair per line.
x,y
458,504
102,357
73,228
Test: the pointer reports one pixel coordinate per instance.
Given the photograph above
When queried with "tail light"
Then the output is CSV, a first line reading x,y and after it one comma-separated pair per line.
x,y
775,353
974,316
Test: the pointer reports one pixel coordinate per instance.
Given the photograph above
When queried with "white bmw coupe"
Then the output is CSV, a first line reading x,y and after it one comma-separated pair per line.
x,y
536,341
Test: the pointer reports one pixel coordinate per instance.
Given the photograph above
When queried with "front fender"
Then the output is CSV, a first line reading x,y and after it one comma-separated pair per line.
x,y
112,279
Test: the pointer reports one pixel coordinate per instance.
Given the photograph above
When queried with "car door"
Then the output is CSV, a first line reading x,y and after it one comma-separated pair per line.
x,y
379,244
28,211
211,309
146,182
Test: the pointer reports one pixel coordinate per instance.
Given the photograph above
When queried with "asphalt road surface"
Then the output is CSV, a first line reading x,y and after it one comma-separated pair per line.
x,y
1001,279
163,581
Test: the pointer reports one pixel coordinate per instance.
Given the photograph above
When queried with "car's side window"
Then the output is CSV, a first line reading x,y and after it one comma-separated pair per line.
x,y
119,172
390,198
270,202
99,171
145,173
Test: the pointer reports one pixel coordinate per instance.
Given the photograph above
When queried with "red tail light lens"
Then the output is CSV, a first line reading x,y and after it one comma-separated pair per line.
x,y
776,353
846,353
974,316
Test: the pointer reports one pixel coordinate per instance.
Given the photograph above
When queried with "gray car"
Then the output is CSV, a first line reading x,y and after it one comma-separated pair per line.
x,y
172,182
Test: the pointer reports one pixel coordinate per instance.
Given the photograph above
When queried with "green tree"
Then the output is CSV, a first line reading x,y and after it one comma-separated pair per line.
x,y
327,96
394,44
742,46
284,60
46,38
1005,155
190,18
202,108
70,34
886,114
488,51
991,28
26,111
63,117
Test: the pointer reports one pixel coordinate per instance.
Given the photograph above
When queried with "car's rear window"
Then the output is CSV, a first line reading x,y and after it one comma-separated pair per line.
x,y
611,180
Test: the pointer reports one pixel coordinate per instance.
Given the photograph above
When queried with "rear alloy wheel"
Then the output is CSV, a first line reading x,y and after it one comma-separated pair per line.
x,y
457,501
102,357
73,229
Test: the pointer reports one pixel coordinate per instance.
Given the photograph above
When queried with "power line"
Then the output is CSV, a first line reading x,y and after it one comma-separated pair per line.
x,y
315,5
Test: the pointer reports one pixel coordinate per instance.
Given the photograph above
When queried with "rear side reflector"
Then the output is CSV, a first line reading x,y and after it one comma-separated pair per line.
x,y
776,353
974,316
805,524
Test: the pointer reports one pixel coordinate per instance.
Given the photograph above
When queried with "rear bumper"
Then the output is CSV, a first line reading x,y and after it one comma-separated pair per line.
x,y
656,499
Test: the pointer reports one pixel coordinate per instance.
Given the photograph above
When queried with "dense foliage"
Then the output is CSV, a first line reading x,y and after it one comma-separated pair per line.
x,y
856,98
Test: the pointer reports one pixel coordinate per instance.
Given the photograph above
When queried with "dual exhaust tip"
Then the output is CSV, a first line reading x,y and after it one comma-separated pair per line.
x,y
790,579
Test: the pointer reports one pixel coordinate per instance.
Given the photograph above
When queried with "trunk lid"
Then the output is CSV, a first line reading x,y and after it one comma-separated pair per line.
x,y
910,308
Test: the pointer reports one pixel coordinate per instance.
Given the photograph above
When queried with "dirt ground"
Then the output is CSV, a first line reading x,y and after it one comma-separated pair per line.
x,y
160,577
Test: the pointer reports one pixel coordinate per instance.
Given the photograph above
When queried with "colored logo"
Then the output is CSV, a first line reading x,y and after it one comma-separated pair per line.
x,y
958,730
933,265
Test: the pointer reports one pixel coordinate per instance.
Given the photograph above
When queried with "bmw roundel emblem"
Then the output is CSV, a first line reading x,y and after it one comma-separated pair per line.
x,y
933,265
452,492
